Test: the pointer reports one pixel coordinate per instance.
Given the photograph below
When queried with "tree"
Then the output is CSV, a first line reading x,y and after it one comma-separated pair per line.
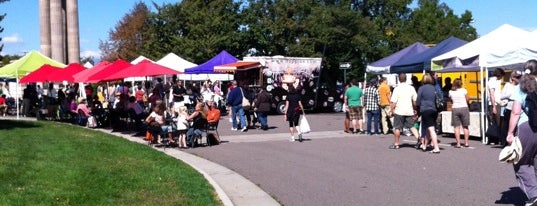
x,y
2,16
127,39
432,22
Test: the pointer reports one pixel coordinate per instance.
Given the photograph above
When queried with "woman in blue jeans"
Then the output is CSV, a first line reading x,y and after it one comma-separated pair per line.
x,y
262,105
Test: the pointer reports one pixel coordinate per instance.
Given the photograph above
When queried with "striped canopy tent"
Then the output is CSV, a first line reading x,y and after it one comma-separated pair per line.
x,y
237,66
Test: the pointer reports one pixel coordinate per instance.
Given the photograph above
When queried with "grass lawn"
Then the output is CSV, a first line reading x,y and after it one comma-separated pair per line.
x,y
49,163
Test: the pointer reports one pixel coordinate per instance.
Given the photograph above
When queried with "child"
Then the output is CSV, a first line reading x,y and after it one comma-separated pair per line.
x,y
182,126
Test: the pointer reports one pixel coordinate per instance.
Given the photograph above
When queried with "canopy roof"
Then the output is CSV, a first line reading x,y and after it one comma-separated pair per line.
x,y
491,50
142,69
382,66
29,63
175,62
66,74
108,70
39,74
179,64
422,61
233,67
208,67
84,75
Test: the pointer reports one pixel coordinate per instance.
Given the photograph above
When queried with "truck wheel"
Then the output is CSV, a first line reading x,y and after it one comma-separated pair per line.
x,y
338,106
280,108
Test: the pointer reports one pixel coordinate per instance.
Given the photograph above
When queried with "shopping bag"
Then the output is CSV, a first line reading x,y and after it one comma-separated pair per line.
x,y
304,125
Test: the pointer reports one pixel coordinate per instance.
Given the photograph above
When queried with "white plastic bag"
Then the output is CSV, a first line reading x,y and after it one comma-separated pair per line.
x,y
304,125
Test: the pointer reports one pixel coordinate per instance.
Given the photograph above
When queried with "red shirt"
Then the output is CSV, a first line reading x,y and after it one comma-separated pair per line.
x,y
139,95
2,101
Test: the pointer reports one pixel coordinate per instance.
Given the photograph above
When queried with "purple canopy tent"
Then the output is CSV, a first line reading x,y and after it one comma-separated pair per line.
x,y
422,61
383,66
208,67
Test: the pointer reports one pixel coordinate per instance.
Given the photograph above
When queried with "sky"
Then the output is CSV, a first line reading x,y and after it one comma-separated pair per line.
x,y
98,17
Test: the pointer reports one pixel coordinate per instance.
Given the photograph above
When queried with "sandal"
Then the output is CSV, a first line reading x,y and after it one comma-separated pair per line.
x,y
434,152
393,146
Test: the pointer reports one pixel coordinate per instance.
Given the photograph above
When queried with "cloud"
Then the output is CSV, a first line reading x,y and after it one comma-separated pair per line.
x,y
13,39
89,53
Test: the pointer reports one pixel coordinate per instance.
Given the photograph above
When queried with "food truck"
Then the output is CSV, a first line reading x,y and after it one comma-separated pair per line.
x,y
277,72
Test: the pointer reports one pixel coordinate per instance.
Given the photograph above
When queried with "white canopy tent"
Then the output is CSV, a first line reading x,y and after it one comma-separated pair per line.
x,y
177,63
506,46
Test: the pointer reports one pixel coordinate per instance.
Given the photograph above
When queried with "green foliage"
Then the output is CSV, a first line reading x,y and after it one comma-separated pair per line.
x,y
2,16
357,31
48,163
128,37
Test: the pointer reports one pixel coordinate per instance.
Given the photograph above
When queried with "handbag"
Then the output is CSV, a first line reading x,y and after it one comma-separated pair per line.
x,y
493,131
304,125
245,102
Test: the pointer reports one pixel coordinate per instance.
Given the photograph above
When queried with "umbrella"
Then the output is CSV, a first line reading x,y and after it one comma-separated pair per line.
x,y
66,74
142,69
40,74
84,75
110,69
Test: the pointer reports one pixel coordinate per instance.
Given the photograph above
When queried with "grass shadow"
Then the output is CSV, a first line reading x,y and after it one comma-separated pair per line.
x,y
13,124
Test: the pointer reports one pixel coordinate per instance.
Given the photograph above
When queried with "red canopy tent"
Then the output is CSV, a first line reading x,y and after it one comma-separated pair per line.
x,y
142,69
67,74
83,75
110,69
40,74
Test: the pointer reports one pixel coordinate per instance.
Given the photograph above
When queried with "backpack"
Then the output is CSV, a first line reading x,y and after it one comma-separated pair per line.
x,y
530,108
439,100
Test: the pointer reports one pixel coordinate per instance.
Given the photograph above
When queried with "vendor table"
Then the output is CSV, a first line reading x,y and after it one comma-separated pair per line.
x,y
474,127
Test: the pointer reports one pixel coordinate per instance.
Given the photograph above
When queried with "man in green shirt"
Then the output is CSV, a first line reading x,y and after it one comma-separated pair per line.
x,y
353,103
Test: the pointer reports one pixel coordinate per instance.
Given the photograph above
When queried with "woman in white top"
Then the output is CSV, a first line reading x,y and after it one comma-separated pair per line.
x,y
507,103
157,119
460,114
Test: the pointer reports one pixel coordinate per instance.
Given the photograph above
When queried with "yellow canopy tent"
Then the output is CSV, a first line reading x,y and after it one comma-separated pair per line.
x,y
23,66
29,63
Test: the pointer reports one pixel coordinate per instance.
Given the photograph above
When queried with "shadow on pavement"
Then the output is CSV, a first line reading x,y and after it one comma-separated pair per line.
x,y
513,196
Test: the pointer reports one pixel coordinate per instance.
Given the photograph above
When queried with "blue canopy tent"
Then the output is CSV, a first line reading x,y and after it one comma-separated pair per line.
x,y
383,66
208,67
420,62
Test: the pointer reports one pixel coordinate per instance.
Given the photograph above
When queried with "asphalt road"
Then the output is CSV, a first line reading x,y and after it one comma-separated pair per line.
x,y
345,169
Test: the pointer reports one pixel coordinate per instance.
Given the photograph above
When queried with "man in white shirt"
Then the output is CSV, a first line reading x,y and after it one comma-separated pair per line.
x,y
495,88
402,104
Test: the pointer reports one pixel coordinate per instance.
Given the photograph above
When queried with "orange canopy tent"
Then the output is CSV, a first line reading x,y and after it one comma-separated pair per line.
x,y
233,67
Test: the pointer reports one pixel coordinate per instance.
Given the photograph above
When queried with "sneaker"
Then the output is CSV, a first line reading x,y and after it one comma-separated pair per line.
x,y
233,129
244,129
292,139
299,137
531,202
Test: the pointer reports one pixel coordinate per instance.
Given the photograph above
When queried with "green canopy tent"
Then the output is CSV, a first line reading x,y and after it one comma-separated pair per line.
x,y
30,62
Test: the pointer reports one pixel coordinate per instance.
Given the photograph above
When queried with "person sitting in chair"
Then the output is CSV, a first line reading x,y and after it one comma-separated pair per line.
x,y
198,119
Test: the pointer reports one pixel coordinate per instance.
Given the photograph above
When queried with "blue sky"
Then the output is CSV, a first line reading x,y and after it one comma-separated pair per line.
x,y
97,17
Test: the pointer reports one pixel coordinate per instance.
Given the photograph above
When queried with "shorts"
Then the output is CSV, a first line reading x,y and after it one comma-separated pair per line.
x,y
428,118
293,122
355,112
460,116
400,122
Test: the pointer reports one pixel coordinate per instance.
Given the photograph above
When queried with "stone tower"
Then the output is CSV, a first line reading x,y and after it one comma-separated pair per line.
x,y
58,20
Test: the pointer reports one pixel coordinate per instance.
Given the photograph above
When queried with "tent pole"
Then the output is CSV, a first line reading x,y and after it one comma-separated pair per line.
x,y
483,103
17,92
